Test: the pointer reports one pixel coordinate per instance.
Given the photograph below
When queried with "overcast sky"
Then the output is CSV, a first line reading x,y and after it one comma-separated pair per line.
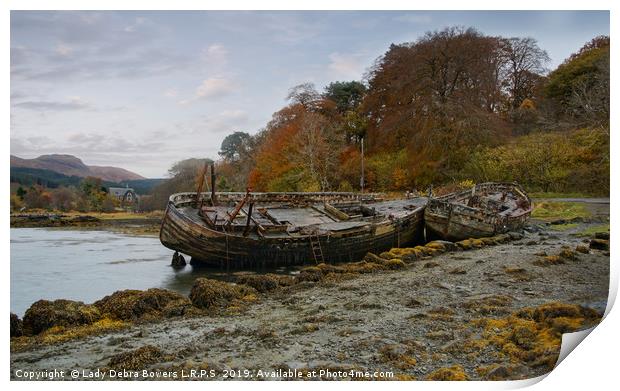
x,y
141,90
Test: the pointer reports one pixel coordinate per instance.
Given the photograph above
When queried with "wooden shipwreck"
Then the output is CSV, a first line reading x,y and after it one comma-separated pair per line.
x,y
485,210
243,230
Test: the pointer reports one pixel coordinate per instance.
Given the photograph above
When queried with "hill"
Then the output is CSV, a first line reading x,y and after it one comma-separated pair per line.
x,y
70,165
24,176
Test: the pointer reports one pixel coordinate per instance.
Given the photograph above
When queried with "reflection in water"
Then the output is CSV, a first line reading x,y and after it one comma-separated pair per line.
x,y
87,265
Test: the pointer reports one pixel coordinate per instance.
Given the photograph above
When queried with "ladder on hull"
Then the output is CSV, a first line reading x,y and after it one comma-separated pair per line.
x,y
317,251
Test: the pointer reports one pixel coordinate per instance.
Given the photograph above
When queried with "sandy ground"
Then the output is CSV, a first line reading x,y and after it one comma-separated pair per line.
x,y
355,323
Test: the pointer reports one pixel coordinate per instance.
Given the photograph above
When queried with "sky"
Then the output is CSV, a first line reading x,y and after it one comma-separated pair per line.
x,y
142,90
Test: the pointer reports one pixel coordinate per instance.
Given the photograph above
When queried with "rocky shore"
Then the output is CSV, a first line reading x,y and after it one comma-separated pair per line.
x,y
492,308
137,224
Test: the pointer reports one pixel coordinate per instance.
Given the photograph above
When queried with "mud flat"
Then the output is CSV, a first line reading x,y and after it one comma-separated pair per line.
x,y
483,309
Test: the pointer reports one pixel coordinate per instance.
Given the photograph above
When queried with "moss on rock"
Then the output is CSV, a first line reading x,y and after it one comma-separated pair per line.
x,y
17,326
265,282
207,293
131,305
453,373
45,314
137,359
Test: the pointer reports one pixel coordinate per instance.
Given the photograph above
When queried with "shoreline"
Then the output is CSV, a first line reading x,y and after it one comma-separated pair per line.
x,y
144,225
431,315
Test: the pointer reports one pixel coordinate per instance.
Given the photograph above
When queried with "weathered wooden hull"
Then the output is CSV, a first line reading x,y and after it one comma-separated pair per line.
x,y
448,220
181,233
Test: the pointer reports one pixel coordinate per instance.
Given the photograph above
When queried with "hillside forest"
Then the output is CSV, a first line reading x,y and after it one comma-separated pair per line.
x,y
453,108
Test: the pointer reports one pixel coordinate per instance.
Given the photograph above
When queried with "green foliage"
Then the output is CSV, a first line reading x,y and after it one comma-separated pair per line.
x,y
582,66
21,193
580,86
354,125
347,95
388,171
554,161
234,145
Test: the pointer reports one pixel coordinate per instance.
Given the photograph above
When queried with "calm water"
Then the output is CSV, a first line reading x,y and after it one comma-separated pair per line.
x,y
87,265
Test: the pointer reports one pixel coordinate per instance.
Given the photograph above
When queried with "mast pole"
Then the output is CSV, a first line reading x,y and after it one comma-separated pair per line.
x,y
362,177
213,183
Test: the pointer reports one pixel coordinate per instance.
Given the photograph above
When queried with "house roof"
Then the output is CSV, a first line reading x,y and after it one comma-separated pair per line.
x,y
120,191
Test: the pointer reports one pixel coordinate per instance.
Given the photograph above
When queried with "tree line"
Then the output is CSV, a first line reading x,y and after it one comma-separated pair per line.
x,y
454,106
89,196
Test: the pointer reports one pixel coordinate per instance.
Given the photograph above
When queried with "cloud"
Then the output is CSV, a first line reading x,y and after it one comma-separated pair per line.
x,y
414,18
226,121
347,65
100,46
211,88
215,55
63,50
74,104
134,26
171,93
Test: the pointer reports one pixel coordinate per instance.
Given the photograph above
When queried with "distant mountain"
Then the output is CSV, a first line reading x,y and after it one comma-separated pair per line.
x,y
70,166
24,176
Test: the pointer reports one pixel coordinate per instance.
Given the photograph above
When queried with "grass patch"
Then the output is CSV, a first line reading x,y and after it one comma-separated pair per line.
x,y
563,227
550,210
558,195
591,230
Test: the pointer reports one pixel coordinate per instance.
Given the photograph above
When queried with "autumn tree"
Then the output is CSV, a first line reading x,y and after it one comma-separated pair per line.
x,y
435,97
64,198
524,65
304,94
37,196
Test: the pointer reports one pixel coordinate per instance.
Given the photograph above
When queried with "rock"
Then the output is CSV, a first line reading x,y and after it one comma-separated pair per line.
x,y
499,373
135,304
394,264
370,257
178,261
582,249
502,238
458,270
45,314
602,235
137,359
17,326
455,372
569,254
515,235
599,244
85,219
207,293
264,283
442,245
429,265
